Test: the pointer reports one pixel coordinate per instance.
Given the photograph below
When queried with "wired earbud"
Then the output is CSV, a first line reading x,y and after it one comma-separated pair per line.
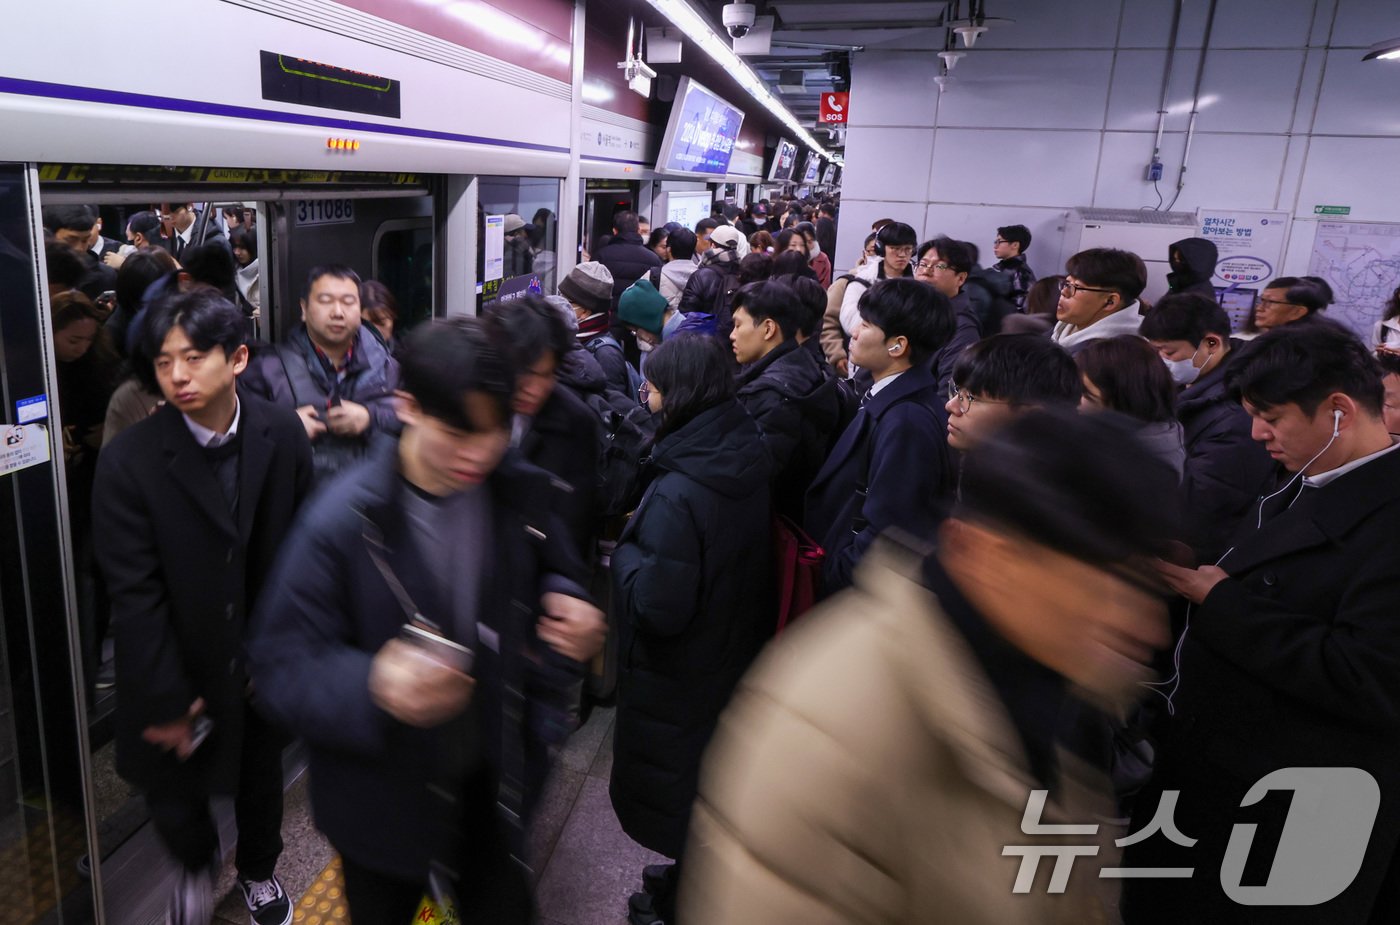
x,y
1336,422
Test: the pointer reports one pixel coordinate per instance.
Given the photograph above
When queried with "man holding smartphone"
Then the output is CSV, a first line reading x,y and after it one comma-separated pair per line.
x,y
426,760
192,505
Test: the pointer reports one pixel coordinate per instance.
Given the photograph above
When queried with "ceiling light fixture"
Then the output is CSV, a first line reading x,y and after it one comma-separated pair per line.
x,y
1389,50
699,31
951,58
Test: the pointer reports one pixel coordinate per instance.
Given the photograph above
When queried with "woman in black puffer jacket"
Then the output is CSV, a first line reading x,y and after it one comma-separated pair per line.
x,y
691,589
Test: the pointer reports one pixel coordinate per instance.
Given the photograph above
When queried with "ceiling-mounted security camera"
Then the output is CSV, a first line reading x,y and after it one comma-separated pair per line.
x,y
739,18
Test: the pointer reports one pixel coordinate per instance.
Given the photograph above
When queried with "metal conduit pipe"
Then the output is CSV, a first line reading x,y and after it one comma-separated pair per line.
x,y
1195,104
1166,82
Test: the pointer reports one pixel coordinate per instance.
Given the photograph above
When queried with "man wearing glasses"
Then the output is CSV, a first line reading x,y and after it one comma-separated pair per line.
x,y
894,249
944,264
1099,297
1010,249
339,378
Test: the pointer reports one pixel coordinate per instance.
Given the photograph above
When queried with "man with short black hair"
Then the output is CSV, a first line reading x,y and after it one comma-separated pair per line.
x,y
703,229
193,504
890,467
626,256
182,217
997,379
1290,660
75,227
895,244
783,389
671,279
1099,297
1224,466
334,373
424,634
551,427
144,230
944,264
1009,247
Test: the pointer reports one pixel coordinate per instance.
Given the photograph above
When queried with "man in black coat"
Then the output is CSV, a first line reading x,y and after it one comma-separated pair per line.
x,y
1291,660
1225,467
782,386
403,640
192,505
626,256
890,467
552,427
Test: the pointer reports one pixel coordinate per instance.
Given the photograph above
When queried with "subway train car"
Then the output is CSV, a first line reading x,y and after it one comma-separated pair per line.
x,y
467,151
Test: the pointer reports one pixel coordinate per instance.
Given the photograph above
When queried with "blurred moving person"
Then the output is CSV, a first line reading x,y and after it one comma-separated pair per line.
x,y
691,575
880,756
403,639
193,504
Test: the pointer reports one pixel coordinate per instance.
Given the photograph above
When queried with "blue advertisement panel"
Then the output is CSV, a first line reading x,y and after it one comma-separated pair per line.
x,y
701,134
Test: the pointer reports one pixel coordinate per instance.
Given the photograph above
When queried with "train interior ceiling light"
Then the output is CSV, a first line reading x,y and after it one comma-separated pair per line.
x,y
698,29
1389,50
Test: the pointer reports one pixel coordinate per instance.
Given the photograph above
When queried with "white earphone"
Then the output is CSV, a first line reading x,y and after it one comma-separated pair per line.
x,y
1336,421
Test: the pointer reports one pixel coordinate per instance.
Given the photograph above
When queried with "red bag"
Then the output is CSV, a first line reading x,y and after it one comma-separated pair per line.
x,y
797,569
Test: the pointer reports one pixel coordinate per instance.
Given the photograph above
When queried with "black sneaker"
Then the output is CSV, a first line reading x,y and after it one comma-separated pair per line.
x,y
267,902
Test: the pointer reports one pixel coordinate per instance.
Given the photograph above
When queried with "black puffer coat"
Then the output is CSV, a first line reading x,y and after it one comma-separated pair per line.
x,y
797,409
691,579
1225,468
628,259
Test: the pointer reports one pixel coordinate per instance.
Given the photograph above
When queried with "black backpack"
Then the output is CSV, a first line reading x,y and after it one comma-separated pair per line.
x,y
625,431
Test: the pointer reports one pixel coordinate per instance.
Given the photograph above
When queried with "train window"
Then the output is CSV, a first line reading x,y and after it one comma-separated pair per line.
x,y
521,239
403,262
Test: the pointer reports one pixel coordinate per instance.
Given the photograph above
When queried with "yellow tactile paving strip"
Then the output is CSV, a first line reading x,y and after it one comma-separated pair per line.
x,y
323,903
26,874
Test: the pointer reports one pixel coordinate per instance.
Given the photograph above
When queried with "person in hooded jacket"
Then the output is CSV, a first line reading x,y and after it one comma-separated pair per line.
x,y
689,575
783,388
1225,468
1193,264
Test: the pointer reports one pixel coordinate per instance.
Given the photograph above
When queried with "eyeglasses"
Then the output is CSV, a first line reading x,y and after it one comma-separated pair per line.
x,y
1069,290
923,266
965,398
906,251
644,392
1000,241
1263,302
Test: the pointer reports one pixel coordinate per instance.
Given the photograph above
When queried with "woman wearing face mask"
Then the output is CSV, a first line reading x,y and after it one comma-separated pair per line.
x,y
1225,467
1126,375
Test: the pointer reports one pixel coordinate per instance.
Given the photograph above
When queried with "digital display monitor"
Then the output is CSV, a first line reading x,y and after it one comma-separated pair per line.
x,y
784,162
829,175
1238,304
812,169
700,135
688,208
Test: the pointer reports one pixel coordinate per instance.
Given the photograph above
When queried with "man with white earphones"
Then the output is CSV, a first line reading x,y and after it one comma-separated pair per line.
x,y
1290,658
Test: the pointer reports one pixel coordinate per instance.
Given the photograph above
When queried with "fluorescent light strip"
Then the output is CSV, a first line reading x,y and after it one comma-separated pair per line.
x,y
699,31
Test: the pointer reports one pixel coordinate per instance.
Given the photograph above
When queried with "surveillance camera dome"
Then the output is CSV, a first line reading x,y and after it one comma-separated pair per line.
x,y
739,18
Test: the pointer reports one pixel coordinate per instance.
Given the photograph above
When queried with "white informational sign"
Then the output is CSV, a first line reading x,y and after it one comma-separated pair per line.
x,y
28,410
611,142
688,208
493,248
325,212
24,445
1250,246
1361,262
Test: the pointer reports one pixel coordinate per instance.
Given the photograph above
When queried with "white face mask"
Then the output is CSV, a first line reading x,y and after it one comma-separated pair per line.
x,y
643,346
1184,372
813,251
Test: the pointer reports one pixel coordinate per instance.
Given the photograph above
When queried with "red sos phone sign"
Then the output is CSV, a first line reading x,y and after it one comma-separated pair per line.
x,y
834,108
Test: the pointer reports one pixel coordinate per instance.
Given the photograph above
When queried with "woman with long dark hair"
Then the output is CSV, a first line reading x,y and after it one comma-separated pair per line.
x,y
691,575
1125,374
